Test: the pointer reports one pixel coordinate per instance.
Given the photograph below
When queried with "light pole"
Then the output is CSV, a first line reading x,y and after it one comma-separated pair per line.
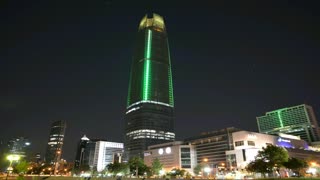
x,y
204,164
56,164
207,171
11,158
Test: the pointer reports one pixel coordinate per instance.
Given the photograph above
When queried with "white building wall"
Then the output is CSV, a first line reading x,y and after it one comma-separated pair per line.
x,y
100,160
170,156
260,140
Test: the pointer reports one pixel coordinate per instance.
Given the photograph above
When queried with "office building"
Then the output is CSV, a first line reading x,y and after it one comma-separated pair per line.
x,y
248,144
36,158
80,155
297,120
55,142
149,117
97,154
18,146
172,155
211,147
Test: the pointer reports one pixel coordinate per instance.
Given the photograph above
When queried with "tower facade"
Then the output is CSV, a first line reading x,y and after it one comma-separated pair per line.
x,y
19,146
55,142
150,105
79,161
297,120
96,154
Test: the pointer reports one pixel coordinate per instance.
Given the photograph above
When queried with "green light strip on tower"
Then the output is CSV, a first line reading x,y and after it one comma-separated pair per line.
x,y
280,118
149,44
171,99
129,91
147,68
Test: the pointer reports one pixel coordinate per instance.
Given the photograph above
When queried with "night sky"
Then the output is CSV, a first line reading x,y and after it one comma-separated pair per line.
x,y
231,60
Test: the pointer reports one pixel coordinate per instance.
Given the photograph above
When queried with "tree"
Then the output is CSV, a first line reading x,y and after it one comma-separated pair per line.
x,y
274,155
269,159
156,166
295,164
177,172
137,166
197,169
259,166
116,168
22,167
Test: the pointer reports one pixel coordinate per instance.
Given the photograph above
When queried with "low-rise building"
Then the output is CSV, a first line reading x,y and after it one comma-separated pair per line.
x,y
97,153
172,155
248,144
211,147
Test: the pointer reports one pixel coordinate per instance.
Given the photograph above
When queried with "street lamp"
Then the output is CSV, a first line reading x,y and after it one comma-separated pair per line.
x,y
205,167
49,169
207,170
11,158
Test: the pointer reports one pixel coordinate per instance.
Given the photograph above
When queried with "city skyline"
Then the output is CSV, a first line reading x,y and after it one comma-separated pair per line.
x,y
231,63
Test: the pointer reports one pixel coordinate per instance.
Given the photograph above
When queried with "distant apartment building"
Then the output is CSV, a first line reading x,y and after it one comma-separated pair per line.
x,y
97,153
172,155
297,120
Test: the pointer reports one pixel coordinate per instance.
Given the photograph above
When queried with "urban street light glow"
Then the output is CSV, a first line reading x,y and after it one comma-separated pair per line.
x,y
207,169
313,163
13,157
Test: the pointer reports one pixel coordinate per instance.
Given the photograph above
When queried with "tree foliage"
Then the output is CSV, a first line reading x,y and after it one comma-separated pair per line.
x,y
177,172
197,169
259,166
156,166
137,164
295,164
115,168
270,158
22,167
275,156
83,167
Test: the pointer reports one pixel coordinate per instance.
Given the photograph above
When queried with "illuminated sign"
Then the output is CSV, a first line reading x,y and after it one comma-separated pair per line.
x,y
160,151
252,136
283,140
167,150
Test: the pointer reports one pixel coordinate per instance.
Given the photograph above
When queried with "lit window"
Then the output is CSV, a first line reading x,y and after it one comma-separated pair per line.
x,y
251,143
239,143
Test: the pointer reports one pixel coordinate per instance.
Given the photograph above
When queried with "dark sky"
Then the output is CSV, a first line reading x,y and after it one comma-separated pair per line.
x,y
232,61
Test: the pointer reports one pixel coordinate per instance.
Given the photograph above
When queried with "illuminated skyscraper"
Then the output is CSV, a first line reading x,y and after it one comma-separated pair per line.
x,y
298,120
80,160
150,113
55,142
19,146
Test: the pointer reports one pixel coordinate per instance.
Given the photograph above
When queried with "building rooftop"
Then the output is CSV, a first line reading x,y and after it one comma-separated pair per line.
x,y
214,133
155,21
